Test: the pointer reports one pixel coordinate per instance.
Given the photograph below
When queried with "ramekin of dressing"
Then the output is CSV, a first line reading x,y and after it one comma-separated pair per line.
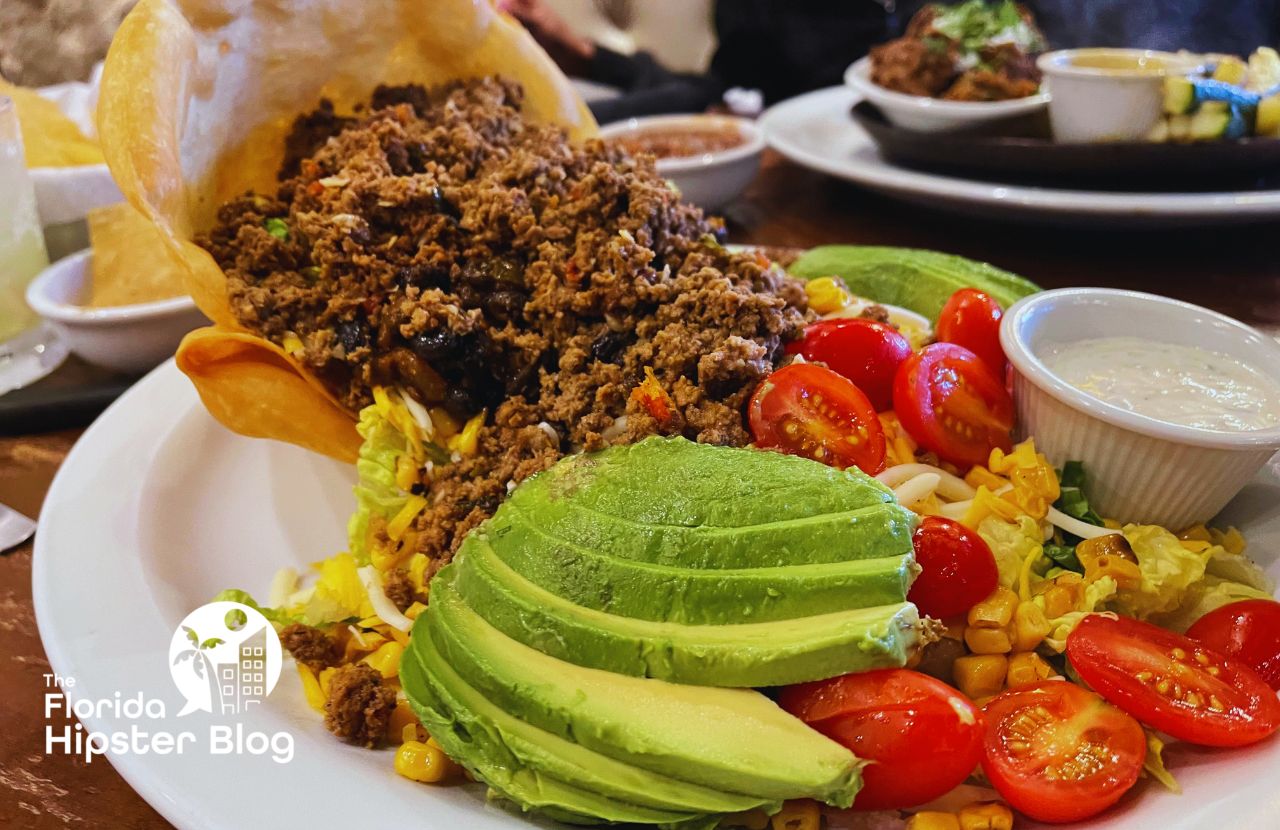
x,y
1171,407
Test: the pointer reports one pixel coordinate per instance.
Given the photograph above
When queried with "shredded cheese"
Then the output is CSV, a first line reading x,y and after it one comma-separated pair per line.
x,y
917,488
950,487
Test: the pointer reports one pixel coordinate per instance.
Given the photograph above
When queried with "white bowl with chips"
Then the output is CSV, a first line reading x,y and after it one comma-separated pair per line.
x,y
128,338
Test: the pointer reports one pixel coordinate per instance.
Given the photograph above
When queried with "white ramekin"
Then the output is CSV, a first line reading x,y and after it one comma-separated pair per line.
x,y
1091,104
130,338
710,180
1139,469
935,115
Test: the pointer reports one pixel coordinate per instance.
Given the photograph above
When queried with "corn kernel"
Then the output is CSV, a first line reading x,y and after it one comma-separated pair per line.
x,y
1113,544
403,724
988,640
386,659
1030,626
311,688
826,294
981,675
1062,594
1026,670
798,815
985,815
1125,573
422,762
756,819
996,611
933,820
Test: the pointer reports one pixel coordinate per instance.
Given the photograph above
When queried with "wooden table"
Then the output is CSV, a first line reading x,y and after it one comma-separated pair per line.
x,y
1235,270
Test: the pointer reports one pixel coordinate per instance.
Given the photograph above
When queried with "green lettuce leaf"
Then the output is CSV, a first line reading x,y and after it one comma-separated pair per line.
x,y
1168,571
1154,764
376,492
1011,543
1209,594
278,616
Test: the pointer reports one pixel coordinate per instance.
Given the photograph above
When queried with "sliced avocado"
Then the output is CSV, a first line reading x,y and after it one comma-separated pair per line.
x,y
733,740
595,579
746,655
865,533
919,280
673,481
496,742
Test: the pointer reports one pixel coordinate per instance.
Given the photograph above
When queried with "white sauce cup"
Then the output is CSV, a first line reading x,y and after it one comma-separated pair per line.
x,y
1138,468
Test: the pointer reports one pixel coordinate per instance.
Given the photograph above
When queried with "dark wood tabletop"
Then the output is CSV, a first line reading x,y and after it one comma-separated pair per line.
x,y
1233,270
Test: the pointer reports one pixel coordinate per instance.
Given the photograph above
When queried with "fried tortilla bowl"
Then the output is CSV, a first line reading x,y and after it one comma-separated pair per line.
x,y
197,98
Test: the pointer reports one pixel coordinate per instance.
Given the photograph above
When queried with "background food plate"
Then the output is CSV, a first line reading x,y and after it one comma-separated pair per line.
x,y
1027,155
816,131
157,508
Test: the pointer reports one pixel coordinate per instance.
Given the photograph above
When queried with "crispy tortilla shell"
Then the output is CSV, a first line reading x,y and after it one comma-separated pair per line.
x,y
197,98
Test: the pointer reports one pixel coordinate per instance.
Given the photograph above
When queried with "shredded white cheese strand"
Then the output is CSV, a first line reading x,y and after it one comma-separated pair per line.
x,y
917,488
1077,527
950,487
383,608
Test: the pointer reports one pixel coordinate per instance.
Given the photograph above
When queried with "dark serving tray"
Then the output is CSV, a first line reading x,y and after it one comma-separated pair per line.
x,y
1021,152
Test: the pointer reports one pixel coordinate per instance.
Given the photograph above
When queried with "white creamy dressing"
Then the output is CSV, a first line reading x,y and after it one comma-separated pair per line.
x,y
1176,384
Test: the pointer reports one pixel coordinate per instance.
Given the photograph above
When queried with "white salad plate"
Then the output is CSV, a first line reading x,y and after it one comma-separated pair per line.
x,y
816,131
158,508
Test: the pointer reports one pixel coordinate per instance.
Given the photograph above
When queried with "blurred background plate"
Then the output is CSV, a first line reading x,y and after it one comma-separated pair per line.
x,y
1021,152
815,130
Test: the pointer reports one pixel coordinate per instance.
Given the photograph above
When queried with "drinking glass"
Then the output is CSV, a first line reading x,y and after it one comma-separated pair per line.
x,y
28,349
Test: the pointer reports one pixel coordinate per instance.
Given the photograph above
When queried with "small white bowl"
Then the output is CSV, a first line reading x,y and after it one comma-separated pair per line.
x,y
1139,469
131,338
934,115
710,180
1108,104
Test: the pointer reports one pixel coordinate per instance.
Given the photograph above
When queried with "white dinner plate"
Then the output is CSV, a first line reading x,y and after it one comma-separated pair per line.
x,y
815,130
158,507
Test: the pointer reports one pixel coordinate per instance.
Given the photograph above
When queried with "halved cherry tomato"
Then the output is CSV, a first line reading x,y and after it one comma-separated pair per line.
x,y
1249,631
957,568
1173,683
809,410
925,737
1060,753
951,403
972,319
867,352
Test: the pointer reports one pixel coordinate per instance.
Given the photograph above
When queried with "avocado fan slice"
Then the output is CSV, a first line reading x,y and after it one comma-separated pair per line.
x,y
735,740
743,655
515,757
869,531
598,580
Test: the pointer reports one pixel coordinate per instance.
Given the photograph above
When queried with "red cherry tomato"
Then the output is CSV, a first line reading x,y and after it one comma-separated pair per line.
x,y
809,410
924,736
972,319
1249,631
950,402
1173,683
957,568
867,352
1060,753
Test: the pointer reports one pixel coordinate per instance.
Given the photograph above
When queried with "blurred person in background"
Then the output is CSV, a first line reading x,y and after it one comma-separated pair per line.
x,y
779,47
1235,27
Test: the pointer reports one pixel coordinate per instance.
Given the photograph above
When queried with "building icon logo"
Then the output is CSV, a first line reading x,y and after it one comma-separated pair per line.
x,y
224,657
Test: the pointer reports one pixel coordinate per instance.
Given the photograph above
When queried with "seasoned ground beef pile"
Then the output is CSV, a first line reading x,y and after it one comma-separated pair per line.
x,y
438,243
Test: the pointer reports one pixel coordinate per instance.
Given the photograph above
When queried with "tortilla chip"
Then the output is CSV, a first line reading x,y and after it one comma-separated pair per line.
x,y
132,262
197,98
49,138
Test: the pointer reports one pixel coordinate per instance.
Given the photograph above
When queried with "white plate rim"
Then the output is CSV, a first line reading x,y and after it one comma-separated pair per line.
x,y
880,175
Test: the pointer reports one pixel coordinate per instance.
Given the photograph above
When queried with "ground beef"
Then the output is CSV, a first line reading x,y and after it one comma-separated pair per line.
x,y
399,589
438,243
875,312
359,705
310,646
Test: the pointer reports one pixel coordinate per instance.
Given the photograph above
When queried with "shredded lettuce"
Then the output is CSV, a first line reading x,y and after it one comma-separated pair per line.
x,y
1072,499
377,494
1096,596
1011,543
1209,594
1168,569
278,616
1154,764
976,23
